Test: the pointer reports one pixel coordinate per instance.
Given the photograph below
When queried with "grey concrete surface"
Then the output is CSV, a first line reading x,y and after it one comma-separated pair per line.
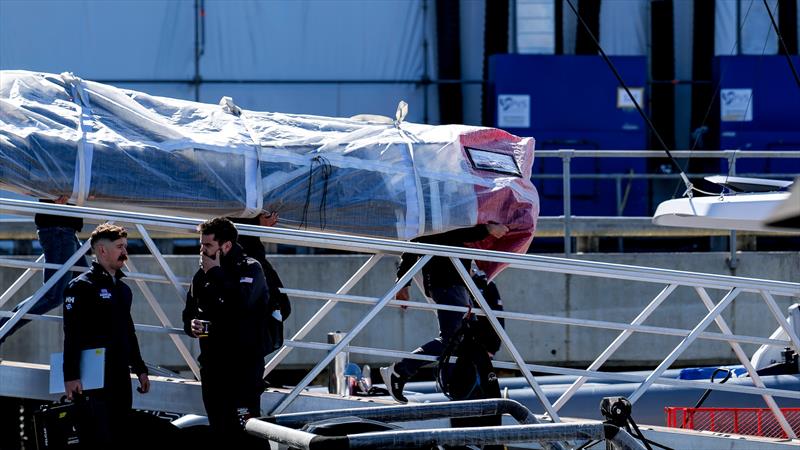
x,y
522,291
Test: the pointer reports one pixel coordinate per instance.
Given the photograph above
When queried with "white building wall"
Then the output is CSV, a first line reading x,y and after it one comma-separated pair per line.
x,y
279,40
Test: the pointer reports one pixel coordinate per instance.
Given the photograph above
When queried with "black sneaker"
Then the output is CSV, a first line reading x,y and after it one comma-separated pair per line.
x,y
394,383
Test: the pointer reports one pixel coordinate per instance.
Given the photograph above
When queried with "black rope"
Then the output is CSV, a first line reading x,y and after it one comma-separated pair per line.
x,y
644,440
783,44
708,391
625,86
325,170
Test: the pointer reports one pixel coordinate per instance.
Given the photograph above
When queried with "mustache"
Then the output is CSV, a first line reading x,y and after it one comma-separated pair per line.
x,y
122,258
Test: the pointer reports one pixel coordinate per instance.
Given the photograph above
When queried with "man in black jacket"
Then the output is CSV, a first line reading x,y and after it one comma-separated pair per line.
x,y
97,314
279,307
444,285
226,308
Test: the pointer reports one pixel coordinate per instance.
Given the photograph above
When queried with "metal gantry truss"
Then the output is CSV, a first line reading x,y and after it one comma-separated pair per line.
x,y
670,279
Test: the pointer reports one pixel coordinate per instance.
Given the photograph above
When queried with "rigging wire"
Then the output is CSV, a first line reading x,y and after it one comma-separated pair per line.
x,y
714,96
721,76
651,126
732,164
783,44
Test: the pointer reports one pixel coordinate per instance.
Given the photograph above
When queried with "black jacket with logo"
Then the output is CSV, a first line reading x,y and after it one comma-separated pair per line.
x,y
234,298
439,272
97,314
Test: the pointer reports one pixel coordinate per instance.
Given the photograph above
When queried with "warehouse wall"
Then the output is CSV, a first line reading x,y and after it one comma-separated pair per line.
x,y
334,58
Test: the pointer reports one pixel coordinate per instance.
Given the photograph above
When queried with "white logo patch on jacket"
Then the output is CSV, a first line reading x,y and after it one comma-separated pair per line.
x,y
246,280
104,294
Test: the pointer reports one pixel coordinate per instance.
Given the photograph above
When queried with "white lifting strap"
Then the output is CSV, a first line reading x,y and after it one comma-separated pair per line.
x,y
415,208
83,157
252,162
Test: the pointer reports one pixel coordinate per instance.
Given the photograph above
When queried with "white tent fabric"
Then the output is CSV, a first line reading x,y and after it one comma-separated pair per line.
x,y
298,40
624,27
683,32
103,40
100,145
279,40
570,28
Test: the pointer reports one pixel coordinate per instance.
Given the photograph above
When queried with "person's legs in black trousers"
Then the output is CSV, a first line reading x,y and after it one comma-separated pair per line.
x,y
398,374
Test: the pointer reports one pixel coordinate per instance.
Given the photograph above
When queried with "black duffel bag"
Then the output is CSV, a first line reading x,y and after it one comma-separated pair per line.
x,y
58,425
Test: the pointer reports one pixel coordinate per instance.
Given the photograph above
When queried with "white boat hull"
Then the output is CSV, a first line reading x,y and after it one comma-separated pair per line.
x,y
745,212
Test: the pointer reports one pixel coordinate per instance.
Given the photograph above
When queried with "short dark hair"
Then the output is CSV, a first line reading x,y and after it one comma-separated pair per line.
x,y
108,231
222,229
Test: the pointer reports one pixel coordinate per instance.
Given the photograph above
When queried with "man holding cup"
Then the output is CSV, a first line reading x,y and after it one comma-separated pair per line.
x,y
226,308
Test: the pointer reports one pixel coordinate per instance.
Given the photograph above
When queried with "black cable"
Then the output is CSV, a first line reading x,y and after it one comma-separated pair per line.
x,y
325,170
644,440
638,433
304,216
708,391
783,44
588,444
628,91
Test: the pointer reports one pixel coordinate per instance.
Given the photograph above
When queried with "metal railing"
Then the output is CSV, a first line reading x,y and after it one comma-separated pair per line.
x,y
567,155
283,428
669,279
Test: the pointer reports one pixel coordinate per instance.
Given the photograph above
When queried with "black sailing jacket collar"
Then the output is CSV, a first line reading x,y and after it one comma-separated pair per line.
x,y
101,273
234,258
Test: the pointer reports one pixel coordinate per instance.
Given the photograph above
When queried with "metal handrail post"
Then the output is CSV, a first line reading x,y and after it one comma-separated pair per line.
x,y
419,412
566,156
539,318
351,335
776,312
616,344
161,261
684,344
501,332
319,315
414,412
737,349
31,301
418,438
162,317
276,433
19,282
733,263
555,370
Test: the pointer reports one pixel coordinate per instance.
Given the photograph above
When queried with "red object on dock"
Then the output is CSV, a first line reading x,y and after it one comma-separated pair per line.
x,y
747,421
